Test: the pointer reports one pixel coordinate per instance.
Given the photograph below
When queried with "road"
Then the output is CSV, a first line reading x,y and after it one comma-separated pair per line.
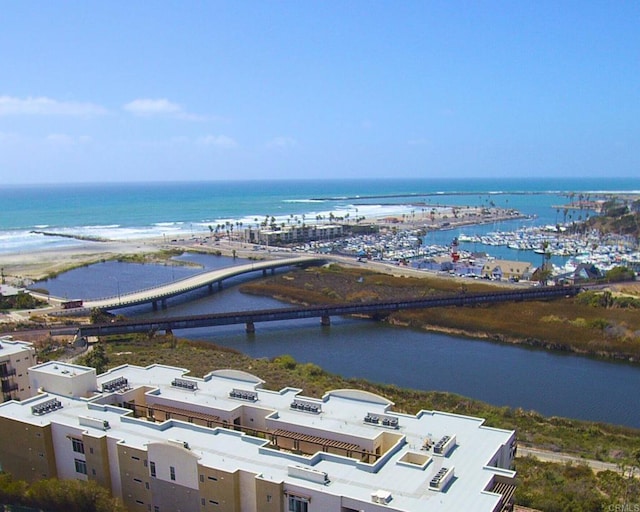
x,y
559,457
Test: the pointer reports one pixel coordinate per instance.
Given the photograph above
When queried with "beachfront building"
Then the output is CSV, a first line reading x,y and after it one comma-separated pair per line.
x,y
15,359
289,234
506,269
163,441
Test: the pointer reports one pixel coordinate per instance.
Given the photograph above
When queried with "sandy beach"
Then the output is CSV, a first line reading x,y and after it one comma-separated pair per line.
x,y
22,267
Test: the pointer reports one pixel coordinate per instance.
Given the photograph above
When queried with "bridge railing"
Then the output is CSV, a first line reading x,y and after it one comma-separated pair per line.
x,y
300,312
121,298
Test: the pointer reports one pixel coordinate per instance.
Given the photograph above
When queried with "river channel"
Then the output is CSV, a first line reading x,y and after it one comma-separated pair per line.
x,y
550,383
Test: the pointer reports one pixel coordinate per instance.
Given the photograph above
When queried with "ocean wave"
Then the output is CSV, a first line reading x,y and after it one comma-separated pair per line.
x,y
303,201
99,226
168,224
19,241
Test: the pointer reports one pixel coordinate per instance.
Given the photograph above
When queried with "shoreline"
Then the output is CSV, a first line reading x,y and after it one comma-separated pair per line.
x,y
23,267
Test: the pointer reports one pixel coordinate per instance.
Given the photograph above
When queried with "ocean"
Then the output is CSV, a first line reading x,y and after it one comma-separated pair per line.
x,y
137,210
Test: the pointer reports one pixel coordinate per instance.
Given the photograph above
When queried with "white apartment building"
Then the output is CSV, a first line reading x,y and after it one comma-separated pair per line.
x,y
164,441
293,233
16,357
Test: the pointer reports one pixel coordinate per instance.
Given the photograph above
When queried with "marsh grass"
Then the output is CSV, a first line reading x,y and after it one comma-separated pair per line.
x,y
585,325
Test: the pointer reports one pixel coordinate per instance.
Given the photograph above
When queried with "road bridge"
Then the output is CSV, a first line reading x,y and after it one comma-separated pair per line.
x,y
324,312
158,295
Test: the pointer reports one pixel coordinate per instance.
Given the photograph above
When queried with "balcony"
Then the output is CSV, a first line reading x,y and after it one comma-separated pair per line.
x,y
5,372
8,387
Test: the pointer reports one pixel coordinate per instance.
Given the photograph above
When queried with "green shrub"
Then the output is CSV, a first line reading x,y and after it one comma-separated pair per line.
x,y
286,361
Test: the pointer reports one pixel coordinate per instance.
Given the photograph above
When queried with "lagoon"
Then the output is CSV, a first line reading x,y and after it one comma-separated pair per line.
x,y
553,384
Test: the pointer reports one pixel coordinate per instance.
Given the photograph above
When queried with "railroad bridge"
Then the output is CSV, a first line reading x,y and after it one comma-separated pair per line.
x,y
324,312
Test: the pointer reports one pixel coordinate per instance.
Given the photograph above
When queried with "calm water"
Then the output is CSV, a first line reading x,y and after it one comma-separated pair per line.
x,y
553,384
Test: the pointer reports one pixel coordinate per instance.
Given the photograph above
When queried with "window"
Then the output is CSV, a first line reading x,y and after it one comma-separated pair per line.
x,y
172,472
81,466
152,467
297,504
78,445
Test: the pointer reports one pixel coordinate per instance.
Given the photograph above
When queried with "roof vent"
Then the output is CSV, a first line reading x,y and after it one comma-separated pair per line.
x,y
303,405
313,475
184,384
445,445
242,394
88,421
45,407
382,497
441,479
177,442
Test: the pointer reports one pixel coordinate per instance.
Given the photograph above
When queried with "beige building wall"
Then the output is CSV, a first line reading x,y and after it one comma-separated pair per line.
x,y
15,359
220,489
30,455
97,456
269,495
134,477
247,490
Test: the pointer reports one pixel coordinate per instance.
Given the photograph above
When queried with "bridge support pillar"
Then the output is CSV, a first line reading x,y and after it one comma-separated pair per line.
x,y
169,332
154,304
251,328
264,272
210,288
273,271
325,320
163,303
219,285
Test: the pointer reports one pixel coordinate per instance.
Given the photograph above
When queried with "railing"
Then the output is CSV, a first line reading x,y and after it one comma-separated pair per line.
x,y
293,313
199,280
5,373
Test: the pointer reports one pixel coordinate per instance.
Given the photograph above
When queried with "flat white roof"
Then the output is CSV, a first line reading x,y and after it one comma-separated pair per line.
x,y
61,369
341,411
9,347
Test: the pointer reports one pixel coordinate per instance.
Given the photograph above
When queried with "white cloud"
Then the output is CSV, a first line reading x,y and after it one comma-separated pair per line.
x,y
282,143
43,106
221,141
148,107
62,139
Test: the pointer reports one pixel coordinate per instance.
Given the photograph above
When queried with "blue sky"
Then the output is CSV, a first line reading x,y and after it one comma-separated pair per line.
x,y
137,91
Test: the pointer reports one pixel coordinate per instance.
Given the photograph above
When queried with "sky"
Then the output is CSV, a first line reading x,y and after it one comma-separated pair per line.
x,y
216,90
